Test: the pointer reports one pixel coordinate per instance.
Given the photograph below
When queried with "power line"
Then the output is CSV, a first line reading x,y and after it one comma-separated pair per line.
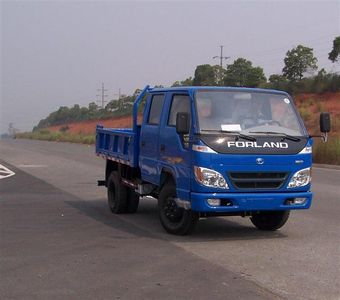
x,y
316,41
119,94
301,26
320,52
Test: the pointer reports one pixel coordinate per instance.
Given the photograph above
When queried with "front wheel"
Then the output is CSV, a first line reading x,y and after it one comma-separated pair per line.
x,y
270,220
174,219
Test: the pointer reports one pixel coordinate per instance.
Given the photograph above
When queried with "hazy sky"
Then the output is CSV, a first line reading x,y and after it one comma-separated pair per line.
x,y
56,53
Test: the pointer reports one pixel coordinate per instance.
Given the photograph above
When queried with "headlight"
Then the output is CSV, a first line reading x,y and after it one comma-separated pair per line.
x,y
210,178
201,148
307,149
300,178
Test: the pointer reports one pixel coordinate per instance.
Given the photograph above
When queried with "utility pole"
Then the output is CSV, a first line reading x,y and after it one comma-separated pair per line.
x,y
102,95
221,57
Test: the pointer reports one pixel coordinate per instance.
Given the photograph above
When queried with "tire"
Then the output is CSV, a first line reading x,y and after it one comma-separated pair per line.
x,y
270,220
116,194
174,219
133,201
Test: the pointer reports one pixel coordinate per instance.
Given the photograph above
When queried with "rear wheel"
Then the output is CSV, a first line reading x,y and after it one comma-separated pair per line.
x,y
133,201
116,194
174,219
270,220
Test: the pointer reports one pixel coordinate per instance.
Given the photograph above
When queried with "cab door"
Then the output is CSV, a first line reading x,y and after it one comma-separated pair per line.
x,y
149,138
174,148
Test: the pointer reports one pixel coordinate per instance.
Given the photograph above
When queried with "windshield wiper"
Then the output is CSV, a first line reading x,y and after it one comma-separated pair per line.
x,y
239,134
284,135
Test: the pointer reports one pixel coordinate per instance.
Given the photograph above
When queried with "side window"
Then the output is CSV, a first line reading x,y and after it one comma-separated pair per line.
x,y
180,103
156,109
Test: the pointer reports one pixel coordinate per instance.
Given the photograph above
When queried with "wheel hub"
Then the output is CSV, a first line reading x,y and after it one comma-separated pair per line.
x,y
172,211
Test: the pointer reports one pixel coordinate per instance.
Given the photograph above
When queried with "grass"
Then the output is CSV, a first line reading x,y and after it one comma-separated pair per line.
x,y
327,153
62,136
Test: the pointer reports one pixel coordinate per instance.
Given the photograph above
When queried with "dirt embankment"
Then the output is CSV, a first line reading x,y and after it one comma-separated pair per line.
x,y
309,105
89,127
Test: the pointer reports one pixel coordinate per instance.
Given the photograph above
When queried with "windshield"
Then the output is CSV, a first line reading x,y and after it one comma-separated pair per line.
x,y
246,112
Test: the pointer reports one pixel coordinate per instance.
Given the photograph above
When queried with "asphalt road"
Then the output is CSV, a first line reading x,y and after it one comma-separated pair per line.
x,y
59,241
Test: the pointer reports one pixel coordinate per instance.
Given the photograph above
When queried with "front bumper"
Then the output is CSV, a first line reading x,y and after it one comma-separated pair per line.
x,y
249,202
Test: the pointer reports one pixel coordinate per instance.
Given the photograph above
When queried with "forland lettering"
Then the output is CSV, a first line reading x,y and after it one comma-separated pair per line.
x,y
239,144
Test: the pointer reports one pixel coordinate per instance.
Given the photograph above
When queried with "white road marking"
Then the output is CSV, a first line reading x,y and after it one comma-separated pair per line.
x,y
5,172
31,166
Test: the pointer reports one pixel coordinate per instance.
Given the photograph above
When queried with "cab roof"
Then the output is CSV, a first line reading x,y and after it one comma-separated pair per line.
x,y
192,89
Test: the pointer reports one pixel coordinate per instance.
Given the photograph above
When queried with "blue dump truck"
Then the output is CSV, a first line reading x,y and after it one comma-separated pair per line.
x,y
211,151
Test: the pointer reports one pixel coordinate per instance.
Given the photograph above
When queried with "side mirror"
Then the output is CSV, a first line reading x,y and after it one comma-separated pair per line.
x,y
325,122
182,123
325,125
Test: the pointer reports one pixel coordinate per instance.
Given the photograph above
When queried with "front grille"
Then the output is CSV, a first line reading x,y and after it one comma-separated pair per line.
x,y
257,180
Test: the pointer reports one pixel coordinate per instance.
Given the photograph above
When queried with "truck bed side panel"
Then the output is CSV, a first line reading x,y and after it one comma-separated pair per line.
x,y
119,145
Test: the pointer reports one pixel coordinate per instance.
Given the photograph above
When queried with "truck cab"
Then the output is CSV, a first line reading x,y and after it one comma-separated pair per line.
x,y
212,151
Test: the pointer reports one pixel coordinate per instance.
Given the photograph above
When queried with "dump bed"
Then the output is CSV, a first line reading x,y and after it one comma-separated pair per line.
x,y
117,144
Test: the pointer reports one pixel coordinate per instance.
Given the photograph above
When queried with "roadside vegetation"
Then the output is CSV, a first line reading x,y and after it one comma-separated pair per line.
x,y
299,77
310,106
327,153
62,136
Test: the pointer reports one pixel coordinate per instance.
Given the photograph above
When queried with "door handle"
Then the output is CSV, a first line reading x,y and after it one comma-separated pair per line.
x,y
162,147
143,143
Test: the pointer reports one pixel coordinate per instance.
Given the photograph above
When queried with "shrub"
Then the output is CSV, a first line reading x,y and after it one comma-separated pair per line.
x,y
64,128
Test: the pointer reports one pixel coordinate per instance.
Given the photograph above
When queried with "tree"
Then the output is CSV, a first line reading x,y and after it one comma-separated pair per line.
x,y
298,61
92,110
75,113
93,106
335,53
204,75
185,82
136,93
219,74
62,115
112,105
277,81
242,73
276,78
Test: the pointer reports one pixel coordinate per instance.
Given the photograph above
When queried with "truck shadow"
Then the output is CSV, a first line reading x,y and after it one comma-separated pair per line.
x,y
229,228
145,223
